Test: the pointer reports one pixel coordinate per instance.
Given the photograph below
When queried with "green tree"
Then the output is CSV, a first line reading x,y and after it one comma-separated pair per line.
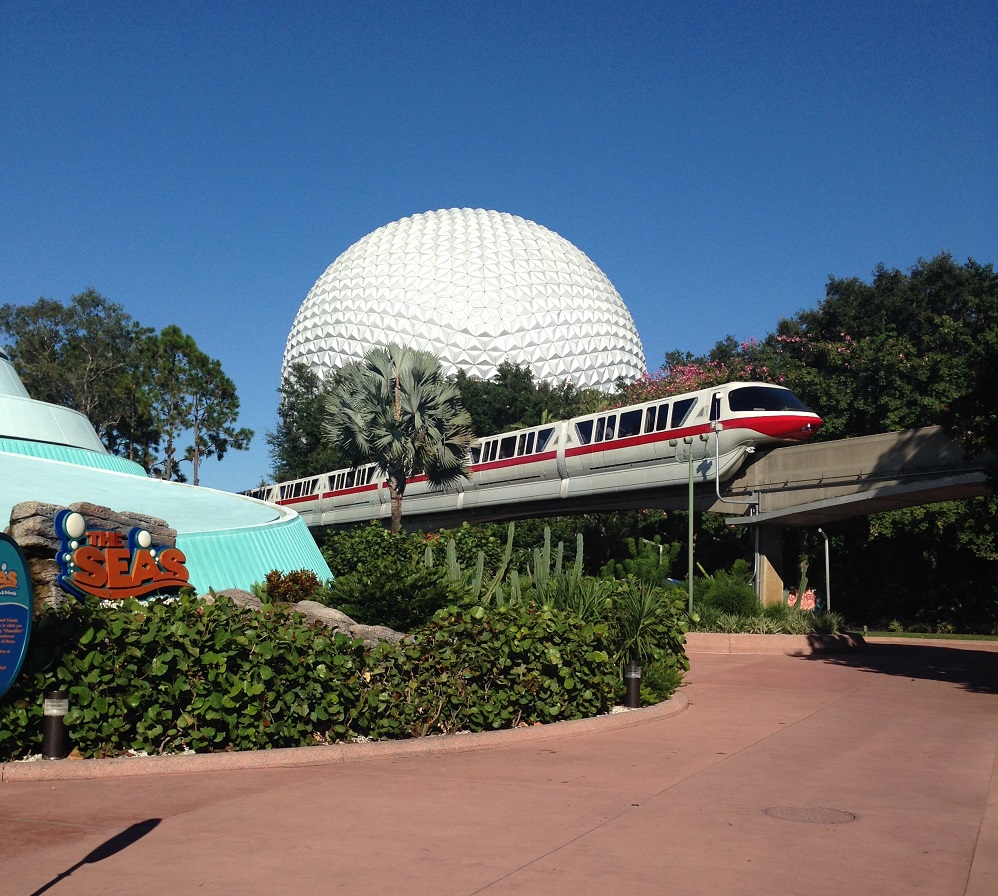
x,y
512,399
82,356
214,410
907,349
298,445
192,395
396,409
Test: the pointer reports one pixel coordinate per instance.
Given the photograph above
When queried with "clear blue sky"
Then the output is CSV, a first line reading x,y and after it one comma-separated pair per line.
x,y
203,163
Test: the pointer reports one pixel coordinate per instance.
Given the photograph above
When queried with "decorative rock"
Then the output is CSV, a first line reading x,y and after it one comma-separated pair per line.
x,y
331,618
372,634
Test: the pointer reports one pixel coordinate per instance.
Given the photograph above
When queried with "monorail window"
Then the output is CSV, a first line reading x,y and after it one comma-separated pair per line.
x,y
351,478
543,437
764,398
662,423
681,411
283,492
530,442
630,424
476,454
492,450
584,430
507,447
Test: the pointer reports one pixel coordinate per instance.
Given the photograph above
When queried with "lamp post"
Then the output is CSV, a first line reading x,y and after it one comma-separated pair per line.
x,y
828,580
689,530
688,441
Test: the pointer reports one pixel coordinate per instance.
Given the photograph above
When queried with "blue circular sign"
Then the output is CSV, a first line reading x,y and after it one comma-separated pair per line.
x,y
15,611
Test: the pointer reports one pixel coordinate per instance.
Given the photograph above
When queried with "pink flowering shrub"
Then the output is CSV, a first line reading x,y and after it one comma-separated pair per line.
x,y
807,600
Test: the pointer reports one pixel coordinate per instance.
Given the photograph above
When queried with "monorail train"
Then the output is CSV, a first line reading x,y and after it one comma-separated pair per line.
x,y
640,446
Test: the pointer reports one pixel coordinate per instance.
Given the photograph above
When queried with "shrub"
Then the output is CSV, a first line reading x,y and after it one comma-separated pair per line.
x,y
730,591
472,669
395,593
361,547
291,587
184,674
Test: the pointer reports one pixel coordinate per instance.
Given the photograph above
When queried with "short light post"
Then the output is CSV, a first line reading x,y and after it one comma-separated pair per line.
x,y
55,737
632,684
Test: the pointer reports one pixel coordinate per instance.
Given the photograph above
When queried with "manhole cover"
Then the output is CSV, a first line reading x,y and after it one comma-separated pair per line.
x,y
811,814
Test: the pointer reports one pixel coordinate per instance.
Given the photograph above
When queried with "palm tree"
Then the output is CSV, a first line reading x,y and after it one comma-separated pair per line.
x,y
396,409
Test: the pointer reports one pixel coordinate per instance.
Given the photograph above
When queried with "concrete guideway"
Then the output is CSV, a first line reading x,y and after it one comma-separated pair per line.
x,y
878,771
815,484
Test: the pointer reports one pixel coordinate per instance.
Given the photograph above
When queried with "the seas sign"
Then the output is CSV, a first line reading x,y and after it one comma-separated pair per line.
x,y
15,611
112,566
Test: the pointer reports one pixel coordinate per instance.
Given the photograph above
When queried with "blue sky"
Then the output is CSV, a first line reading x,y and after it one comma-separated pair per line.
x,y
203,163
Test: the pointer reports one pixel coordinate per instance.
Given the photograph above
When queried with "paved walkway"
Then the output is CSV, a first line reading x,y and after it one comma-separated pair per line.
x,y
871,773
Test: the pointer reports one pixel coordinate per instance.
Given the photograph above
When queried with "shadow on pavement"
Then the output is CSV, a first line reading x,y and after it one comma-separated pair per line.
x,y
108,848
972,670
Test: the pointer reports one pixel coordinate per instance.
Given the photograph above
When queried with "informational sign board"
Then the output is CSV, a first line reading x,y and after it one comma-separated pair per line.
x,y
15,611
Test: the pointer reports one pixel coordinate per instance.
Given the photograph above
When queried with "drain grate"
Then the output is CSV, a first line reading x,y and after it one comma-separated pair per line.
x,y
811,814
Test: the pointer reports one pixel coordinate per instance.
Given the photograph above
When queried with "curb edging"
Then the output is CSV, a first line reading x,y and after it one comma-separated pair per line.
x,y
299,757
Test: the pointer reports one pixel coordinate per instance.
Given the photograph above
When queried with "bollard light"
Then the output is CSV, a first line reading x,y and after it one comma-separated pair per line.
x,y
632,685
55,737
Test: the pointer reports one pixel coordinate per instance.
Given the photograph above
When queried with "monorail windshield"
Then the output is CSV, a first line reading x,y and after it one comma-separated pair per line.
x,y
764,398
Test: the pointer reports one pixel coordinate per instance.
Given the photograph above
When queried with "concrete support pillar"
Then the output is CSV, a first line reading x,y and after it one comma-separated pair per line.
x,y
769,559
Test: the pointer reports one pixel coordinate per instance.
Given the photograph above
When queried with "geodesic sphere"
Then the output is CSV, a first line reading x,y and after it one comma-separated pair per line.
x,y
475,288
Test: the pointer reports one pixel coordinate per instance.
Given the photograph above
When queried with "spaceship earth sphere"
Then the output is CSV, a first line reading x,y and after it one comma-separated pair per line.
x,y
476,288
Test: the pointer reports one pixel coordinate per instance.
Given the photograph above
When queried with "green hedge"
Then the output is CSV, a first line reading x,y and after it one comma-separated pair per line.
x,y
185,674
169,676
472,670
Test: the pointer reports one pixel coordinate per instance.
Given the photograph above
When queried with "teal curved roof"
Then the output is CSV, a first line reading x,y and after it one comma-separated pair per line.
x,y
231,541
52,454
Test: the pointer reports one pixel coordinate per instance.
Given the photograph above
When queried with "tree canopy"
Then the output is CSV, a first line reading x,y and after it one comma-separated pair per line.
x,y
513,399
396,409
907,349
298,444
145,393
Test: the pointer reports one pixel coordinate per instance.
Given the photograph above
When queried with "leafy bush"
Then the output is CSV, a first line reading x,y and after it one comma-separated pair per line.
x,y
729,591
395,593
361,547
184,674
187,674
291,587
473,669
659,680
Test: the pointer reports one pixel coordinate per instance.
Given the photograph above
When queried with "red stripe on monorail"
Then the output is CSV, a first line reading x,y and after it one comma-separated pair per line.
x,y
786,426
482,466
354,490
632,441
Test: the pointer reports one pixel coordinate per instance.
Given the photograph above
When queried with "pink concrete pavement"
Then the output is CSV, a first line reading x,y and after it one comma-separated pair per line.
x,y
878,770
